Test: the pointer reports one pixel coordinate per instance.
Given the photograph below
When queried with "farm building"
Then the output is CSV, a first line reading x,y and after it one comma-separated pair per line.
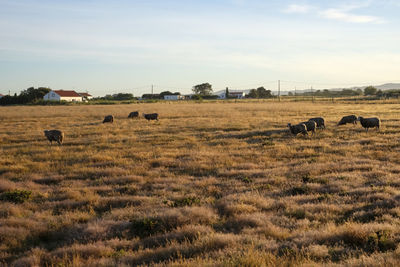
x,y
235,94
85,96
63,95
174,97
238,95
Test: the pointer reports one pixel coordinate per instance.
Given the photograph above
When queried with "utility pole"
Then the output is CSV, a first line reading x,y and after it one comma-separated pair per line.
x,y
152,89
9,92
279,90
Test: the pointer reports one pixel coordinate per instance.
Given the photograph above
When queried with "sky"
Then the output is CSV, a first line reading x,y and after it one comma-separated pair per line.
x,y
106,47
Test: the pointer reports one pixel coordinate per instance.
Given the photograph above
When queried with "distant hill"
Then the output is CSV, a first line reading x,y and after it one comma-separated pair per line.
x,y
388,86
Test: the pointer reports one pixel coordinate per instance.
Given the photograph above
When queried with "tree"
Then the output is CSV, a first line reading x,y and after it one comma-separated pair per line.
x,y
263,93
370,90
226,92
162,94
202,89
28,96
253,93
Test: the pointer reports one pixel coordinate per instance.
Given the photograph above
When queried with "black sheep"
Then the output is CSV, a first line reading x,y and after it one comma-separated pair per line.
x,y
348,119
151,116
134,114
108,118
299,128
320,122
369,123
311,126
54,135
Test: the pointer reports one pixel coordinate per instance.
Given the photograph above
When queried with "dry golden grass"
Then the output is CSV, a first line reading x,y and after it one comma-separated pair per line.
x,y
210,184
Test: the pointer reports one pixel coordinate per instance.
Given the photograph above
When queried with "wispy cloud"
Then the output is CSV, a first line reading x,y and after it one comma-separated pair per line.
x,y
346,16
345,13
299,9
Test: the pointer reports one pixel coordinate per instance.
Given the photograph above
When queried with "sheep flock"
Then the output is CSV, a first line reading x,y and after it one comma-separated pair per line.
x,y
310,125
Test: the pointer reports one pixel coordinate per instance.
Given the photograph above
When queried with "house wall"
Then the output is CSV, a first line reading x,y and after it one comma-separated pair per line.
x,y
51,96
71,99
237,95
173,97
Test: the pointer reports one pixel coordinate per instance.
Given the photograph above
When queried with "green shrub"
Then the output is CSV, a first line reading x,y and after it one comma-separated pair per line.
x,y
16,196
197,97
187,201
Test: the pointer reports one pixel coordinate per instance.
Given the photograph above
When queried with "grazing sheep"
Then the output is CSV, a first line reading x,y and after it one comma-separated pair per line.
x,y
134,114
348,119
370,123
54,135
299,128
320,122
311,126
151,116
108,118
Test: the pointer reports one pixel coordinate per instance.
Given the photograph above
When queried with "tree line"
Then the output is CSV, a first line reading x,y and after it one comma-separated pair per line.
x,y
201,91
28,96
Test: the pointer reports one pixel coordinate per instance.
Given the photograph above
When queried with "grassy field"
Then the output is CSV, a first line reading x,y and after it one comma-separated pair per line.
x,y
210,184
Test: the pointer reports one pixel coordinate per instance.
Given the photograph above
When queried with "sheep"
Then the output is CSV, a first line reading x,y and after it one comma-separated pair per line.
x,y
54,135
108,118
320,122
134,114
151,116
311,126
299,128
370,123
348,119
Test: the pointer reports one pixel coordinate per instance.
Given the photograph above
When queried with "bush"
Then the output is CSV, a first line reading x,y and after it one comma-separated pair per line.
x,y
187,201
147,226
16,196
196,97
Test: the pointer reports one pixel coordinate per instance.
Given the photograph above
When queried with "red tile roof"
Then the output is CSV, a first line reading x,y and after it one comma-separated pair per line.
x,y
66,93
84,94
1,95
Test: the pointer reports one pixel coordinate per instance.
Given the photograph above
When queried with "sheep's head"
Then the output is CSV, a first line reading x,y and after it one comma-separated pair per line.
x,y
289,125
360,118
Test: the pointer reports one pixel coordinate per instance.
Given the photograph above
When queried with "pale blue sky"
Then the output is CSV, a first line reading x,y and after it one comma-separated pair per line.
x,y
125,46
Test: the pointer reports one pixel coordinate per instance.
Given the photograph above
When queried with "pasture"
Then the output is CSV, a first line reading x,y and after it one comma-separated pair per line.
x,y
209,184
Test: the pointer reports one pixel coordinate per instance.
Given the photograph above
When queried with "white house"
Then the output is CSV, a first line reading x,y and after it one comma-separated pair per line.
x,y
85,96
174,97
63,95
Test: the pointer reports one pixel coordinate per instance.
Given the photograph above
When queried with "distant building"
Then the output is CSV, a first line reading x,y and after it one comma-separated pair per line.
x,y
85,96
174,97
1,95
238,95
234,94
63,95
